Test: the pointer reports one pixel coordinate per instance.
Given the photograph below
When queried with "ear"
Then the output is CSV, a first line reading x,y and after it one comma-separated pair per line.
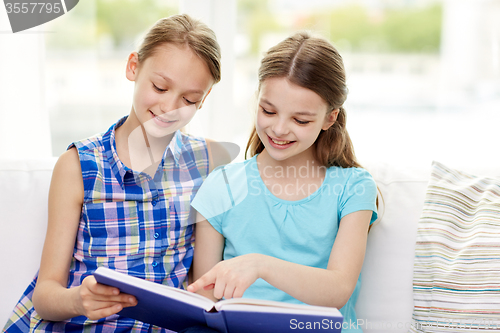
x,y
201,104
132,66
331,118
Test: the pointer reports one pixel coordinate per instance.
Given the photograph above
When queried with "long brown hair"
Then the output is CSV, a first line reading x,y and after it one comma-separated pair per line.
x,y
183,30
312,63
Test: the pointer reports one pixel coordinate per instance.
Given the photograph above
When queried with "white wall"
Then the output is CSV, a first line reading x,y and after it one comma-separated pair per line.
x,y
470,52
24,120
214,118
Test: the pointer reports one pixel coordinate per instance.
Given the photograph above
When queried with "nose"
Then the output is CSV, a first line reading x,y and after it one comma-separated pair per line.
x,y
168,103
280,128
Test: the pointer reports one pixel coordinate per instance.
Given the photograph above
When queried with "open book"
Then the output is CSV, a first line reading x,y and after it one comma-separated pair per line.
x,y
176,309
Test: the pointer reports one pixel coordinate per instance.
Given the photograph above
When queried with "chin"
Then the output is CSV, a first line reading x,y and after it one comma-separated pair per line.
x,y
278,156
157,132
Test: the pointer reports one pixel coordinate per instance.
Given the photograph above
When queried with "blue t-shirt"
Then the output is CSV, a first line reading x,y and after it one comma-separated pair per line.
x,y
237,203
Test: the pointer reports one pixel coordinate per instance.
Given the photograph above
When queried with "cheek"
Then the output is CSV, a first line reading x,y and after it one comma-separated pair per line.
x,y
143,96
307,135
261,121
188,112
260,124
184,114
313,136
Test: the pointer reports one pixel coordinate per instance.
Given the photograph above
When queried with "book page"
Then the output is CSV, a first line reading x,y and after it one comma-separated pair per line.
x,y
257,305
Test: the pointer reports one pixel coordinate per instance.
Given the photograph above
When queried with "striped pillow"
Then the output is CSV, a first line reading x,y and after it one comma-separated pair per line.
x,y
456,277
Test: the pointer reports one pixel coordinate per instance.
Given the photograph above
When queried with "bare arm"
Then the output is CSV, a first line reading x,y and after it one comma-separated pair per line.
x,y
327,287
333,286
52,299
207,252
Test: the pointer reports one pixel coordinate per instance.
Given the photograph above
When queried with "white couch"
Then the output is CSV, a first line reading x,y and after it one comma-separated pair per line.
x,y
24,186
385,302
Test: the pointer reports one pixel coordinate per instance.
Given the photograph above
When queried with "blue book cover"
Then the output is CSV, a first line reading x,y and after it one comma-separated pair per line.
x,y
176,309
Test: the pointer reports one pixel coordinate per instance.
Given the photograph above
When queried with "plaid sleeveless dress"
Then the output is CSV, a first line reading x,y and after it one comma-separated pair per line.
x,y
130,222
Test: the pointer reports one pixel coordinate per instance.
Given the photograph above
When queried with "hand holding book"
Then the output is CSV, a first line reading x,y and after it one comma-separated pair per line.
x,y
99,301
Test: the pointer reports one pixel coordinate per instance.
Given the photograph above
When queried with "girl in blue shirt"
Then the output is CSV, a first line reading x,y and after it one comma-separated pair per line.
x,y
291,223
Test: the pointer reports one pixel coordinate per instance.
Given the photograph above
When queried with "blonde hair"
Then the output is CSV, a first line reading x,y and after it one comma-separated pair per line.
x,y
312,63
183,30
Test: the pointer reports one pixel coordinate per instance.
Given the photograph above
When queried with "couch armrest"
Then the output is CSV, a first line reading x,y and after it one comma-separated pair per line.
x,y
24,188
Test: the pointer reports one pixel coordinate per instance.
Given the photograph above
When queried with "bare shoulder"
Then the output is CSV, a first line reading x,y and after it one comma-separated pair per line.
x,y
221,153
67,174
68,163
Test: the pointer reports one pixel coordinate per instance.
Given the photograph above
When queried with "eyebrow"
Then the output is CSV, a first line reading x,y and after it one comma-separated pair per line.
x,y
166,78
301,113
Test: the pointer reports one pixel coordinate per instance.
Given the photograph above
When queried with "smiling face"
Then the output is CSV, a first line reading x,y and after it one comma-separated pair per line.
x,y
290,118
170,86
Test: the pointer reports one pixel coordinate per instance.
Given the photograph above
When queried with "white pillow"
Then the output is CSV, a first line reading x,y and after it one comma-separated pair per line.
x,y
385,300
456,280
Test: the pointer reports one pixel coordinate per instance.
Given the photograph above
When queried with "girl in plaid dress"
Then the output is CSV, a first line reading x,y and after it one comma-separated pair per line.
x,y
121,199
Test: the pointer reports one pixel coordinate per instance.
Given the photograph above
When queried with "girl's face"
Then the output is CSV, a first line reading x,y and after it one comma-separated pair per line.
x,y
170,86
290,118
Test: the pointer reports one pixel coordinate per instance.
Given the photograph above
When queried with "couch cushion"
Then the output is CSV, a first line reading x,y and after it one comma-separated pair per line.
x,y
24,188
456,284
385,300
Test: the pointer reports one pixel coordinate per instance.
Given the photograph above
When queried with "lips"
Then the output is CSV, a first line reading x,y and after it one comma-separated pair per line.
x,y
160,118
162,122
279,144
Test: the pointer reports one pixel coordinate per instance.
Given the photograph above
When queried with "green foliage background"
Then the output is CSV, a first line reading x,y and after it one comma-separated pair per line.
x,y
404,29
121,20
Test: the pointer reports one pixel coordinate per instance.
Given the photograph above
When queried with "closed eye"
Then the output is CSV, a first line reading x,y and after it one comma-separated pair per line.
x,y
158,89
300,122
267,112
188,101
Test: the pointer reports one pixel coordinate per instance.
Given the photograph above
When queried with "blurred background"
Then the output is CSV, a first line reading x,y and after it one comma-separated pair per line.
x,y
423,75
